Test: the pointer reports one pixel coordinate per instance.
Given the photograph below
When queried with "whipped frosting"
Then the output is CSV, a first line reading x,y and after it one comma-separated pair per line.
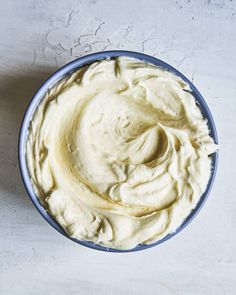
x,y
118,153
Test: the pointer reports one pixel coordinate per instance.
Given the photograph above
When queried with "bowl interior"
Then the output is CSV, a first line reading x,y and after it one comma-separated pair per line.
x,y
67,70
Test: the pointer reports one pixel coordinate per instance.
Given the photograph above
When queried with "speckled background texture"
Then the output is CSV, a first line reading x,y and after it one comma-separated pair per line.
x,y
196,37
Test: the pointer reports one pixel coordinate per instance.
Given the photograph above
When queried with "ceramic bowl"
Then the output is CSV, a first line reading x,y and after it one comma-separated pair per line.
x,y
69,69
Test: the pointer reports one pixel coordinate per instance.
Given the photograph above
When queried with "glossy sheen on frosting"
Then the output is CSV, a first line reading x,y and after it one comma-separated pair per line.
x,y
119,153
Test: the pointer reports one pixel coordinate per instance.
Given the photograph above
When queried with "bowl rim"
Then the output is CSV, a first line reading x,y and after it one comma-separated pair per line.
x,y
69,69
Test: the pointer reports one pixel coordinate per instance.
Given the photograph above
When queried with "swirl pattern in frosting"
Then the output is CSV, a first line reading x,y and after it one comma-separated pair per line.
x,y
118,153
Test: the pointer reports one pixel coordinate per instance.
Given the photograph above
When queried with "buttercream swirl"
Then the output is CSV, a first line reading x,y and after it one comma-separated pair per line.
x,y
118,152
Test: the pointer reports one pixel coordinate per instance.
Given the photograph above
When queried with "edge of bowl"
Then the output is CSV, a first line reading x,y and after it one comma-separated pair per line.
x,y
68,69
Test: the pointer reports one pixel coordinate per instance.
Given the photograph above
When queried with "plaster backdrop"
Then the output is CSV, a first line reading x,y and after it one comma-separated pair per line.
x,y
196,37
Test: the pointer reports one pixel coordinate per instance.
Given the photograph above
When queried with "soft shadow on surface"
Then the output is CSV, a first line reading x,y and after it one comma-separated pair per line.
x,y
16,92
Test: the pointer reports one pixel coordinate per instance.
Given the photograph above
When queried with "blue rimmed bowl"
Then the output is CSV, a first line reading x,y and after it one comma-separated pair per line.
x,y
69,69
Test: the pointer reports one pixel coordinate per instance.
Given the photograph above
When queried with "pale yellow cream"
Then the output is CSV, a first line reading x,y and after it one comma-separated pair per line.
x,y
119,153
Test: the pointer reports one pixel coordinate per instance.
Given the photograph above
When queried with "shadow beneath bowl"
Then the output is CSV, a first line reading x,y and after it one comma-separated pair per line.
x,y
16,92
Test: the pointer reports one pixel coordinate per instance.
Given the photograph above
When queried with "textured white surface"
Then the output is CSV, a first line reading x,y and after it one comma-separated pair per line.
x,y
197,37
